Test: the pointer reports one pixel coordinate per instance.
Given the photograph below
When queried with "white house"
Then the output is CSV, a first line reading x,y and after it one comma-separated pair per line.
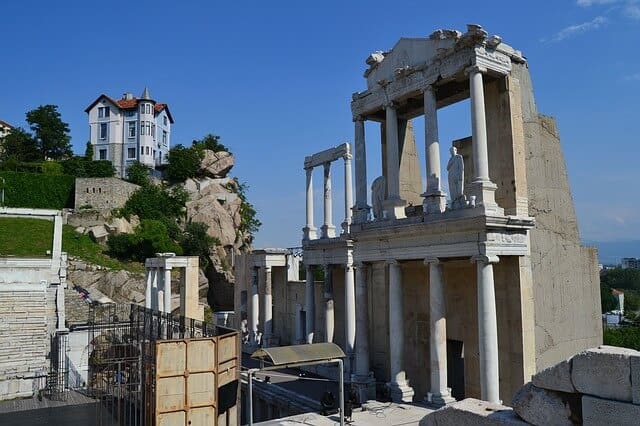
x,y
130,129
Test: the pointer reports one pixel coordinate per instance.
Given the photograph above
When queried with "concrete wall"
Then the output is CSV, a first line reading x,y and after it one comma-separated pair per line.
x,y
103,194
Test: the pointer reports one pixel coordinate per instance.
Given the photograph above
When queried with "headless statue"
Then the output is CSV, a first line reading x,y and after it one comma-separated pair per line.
x,y
455,171
377,197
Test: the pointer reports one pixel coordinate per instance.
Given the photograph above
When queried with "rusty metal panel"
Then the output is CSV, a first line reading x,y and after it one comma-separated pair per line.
x,y
201,355
227,348
171,358
202,389
202,416
177,418
170,394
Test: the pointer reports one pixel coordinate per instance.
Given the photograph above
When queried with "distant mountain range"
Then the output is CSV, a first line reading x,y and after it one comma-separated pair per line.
x,y
610,252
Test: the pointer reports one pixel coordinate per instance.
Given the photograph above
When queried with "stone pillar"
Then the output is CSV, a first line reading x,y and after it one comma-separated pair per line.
x,y
393,205
328,303
439,393
309,230
348,192
349,317
310,304
154,289
487,329
400,389
56,250
148,288
328,230
361,209
434,199
167,290
268,307
361,377
254,310
481,185
159,290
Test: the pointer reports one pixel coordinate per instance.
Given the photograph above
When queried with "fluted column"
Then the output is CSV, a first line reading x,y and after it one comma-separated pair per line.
x,y
328,230
309,230
393,205
167,289
487,329
434,199
439,393
400,389
148,288
254,311
328,303
349,316
348,192
361,209
310,304
268,307
362,323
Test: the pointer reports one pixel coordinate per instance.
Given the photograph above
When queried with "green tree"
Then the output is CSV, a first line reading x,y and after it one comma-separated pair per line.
x,y
607,299
196,242
20,146
210,142
183,163
88,151
249,223
149,238
622,278
138,173
50,132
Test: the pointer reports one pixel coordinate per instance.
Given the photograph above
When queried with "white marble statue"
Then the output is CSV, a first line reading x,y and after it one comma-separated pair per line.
x,y
377,197
455,170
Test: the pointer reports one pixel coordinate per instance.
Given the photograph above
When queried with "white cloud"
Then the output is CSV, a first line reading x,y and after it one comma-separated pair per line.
x,y
577,29
632,11
587,3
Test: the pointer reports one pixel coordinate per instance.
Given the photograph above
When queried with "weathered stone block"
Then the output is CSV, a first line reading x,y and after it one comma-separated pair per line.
x,y
597,411
557,378
472,412
542,407
635,379
604,371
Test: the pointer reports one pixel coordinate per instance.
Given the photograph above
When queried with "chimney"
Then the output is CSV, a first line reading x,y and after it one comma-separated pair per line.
x,y
127,95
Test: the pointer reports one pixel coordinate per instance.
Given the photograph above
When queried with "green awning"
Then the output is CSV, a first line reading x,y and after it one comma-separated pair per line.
x,y
284,355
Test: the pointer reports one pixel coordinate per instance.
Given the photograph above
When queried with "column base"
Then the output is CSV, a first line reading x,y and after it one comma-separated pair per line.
x,y
485,198
309,233
360,214
328,231
394,208
401,392
434,202
365,387
439,400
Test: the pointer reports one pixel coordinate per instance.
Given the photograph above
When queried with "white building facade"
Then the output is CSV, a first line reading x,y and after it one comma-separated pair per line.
x,y
130,129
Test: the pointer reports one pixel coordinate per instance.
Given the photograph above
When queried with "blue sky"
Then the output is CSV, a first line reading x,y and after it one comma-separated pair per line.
x,y
274,80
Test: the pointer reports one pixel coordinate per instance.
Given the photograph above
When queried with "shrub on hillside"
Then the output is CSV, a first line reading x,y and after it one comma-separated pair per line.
x,y
154,202
150,237
183,163
138,173
52,168
81,167
196,242
39,191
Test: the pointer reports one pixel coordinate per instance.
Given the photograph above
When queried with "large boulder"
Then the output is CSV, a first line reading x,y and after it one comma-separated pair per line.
x,y
214,214
99,233
557,377
472,412
216,164
542,407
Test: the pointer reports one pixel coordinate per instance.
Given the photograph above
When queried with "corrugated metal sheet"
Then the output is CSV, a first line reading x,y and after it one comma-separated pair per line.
x,y
284,355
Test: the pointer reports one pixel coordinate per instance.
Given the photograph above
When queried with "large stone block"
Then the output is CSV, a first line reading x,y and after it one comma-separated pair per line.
x,y
543,407
604,371
635,379
597,411
472,412
557,378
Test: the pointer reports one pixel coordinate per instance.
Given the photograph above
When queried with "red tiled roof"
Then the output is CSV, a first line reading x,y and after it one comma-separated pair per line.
x,y
127,103
130,104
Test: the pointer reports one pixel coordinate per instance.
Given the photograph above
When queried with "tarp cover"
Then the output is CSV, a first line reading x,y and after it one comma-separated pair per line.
x,y
284,355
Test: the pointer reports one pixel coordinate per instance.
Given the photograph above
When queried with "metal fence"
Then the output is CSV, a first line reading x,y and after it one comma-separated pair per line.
x,y
57,376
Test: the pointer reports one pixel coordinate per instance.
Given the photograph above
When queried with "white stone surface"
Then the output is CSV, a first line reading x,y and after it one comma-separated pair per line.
x,y
472,412
604,371
556,377
541,407
635,379
598,412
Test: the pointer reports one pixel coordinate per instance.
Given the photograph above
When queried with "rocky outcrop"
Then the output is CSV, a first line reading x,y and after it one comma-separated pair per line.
x,y
216,164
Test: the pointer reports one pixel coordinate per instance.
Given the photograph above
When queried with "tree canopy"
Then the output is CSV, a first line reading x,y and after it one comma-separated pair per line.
x,y
50,132
20,146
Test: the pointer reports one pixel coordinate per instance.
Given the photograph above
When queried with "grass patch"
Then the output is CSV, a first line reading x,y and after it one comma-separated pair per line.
x,y
26,237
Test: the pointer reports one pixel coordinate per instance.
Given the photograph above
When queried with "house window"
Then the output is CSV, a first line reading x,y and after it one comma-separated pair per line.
x,y
153,131
141,151
103,131
131,153
103,112
148,108
132,129
147,124
141,108
147,150
164,120
164,137
130,113
103,155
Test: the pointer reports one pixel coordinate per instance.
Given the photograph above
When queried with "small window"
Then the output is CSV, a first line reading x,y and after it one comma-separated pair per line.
x,y
153,131
103,131
103,156
164,120
141,151
104,112
142,128
147,125
148,108
141,108
131,153
147,150
132,129
130,113
164,137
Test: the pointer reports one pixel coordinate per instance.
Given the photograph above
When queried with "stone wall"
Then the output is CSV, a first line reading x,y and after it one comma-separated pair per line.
x,y
103,194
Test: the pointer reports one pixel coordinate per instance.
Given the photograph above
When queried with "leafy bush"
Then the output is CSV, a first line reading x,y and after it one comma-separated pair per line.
x,y
52,168
183,163
44,191
196,242
625,337
153,202
249,223
150,237
138,173
81,167
210,142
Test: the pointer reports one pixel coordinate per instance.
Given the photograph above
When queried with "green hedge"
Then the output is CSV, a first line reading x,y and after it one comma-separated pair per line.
x,y
38,191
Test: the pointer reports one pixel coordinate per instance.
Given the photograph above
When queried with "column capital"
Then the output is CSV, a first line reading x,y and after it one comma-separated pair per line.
x,y
358,118
348,156
349,266
390,262
326,165
475,69
430,88
266,267
390,104
309,170
485,258
430,260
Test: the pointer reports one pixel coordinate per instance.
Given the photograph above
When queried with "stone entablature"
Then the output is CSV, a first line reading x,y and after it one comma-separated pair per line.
x,y
103,194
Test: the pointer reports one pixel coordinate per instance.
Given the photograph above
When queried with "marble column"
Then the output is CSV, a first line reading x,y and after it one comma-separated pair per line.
x,y
154,290
362,324
148,288
487,329
328,230
310,304
268,307
481,185
328,303
434,199
349,317
400,389
439,394
348,193
254,310
167,289
309,230
393,205
361,209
